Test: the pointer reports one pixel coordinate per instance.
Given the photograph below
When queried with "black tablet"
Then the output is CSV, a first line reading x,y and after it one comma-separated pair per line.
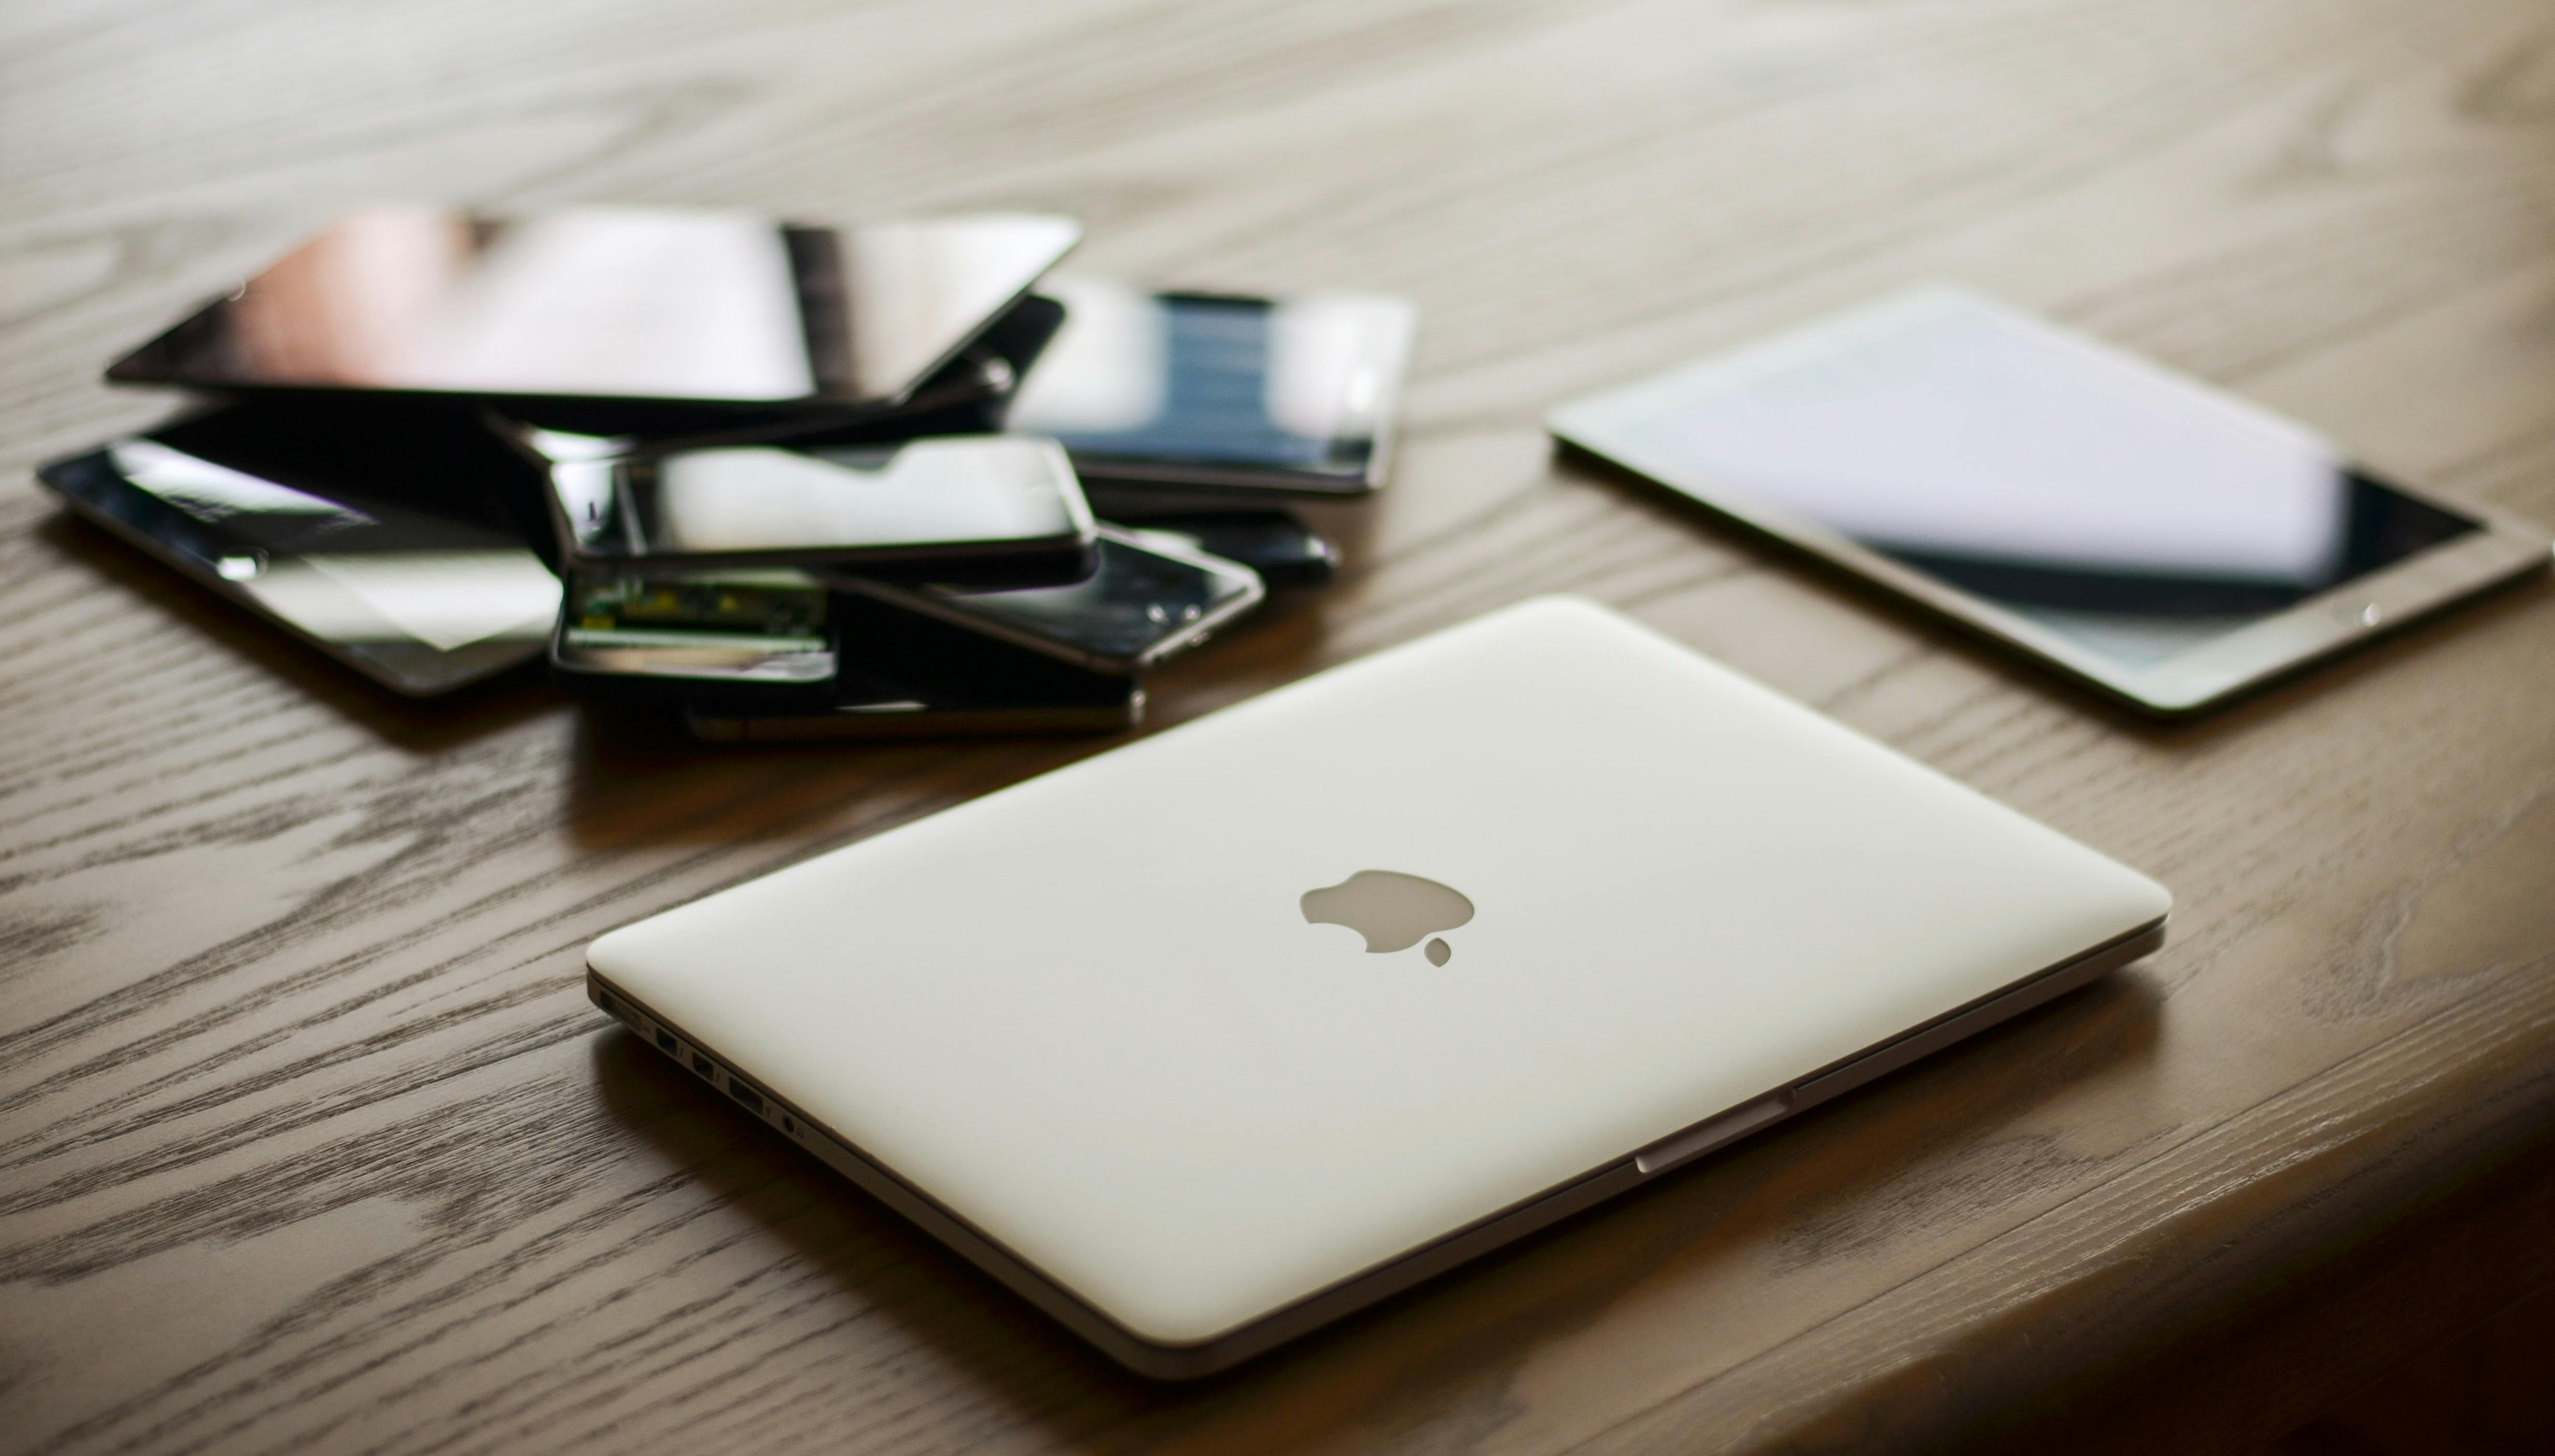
x,y
680,309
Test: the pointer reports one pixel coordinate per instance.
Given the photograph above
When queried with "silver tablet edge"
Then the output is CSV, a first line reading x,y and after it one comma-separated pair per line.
x,y
2500,551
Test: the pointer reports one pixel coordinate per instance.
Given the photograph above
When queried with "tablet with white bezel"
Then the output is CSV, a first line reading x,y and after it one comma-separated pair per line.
x,y
2143,532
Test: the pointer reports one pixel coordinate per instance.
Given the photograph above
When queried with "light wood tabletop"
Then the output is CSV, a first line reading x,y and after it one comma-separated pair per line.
x,y
310,1138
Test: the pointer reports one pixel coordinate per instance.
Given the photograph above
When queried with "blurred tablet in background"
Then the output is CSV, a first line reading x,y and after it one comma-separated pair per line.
x,y
390,539
721,309
2143,532
1290,395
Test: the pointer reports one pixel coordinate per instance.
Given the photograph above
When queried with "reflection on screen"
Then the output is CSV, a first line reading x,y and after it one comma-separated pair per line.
x,y
424,600
612,302
2128,509
752,500
1183,376
1136,600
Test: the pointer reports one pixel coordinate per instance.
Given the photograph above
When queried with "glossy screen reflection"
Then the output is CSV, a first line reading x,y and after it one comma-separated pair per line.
x,y
2108,501
621,303
763,503
1136,600
423,600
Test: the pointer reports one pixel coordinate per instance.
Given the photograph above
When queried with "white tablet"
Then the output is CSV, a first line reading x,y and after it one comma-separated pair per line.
x,y
1211,1038
2144,533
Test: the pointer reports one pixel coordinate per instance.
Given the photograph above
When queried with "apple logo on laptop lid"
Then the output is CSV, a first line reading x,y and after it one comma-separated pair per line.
x,y
1392,910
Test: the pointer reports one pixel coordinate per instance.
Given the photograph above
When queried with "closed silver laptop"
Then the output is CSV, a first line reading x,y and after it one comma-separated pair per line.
x,y
1208,1039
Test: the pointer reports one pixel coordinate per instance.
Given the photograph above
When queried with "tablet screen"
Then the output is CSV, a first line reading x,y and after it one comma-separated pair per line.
x,y
385,540
2136,513
623,303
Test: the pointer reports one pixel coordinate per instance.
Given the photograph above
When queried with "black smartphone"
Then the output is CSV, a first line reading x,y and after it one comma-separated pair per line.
x,y
982,508
1283,551
1146,601
706,312
393,540
906,676
1293,395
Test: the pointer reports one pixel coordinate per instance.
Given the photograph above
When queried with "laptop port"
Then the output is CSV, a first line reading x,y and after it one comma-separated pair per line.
x,y
665,1043
745,1094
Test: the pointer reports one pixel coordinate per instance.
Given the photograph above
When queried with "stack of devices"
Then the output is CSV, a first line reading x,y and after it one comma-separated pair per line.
x,y
790,481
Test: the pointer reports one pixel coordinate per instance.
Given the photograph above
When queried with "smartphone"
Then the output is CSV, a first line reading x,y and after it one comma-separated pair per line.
x,y
1146,601
768,632
2147,534
981,508
908,675
709,311
1293,395
1282,549
390,539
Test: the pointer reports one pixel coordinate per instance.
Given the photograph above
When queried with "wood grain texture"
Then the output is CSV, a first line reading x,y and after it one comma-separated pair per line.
x,y
309,1140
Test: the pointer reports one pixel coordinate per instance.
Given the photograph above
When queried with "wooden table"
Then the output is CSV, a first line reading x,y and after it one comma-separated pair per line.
x,y
309,1140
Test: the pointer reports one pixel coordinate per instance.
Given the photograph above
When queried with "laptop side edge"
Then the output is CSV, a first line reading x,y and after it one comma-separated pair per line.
x,y
1192,1359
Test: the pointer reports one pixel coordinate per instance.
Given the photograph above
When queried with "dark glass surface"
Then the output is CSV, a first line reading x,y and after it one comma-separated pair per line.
x,y
1283,549
969,507
971,395
2131,511
394,540
731,308
1135,600
923,675
1256,384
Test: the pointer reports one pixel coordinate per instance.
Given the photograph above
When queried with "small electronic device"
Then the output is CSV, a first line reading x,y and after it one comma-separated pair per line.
x,y
1283,551
953,508
390,539
1292,394
767,630
727,311
1146,600
1486,957
2140,531
905,675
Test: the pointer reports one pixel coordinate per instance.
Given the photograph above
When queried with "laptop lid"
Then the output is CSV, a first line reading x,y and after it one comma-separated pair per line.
x,y
1205,1027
